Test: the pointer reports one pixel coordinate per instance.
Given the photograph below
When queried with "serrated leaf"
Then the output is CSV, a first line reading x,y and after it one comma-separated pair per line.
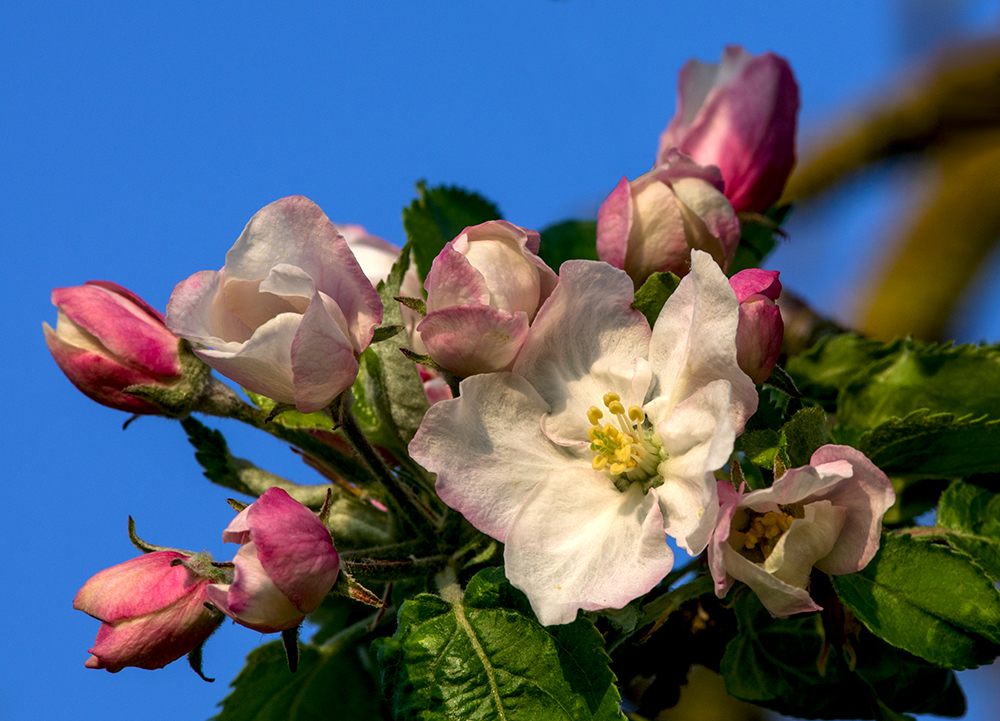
x,y
830,365
481,656
964,380
568,240
757,240
773,408
649,299
804,433
437,216
932,445
927,599
392,382
325,686
760,447
773,662
973,514
292,418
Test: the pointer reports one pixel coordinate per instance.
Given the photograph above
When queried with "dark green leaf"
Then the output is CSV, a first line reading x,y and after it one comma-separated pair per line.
x,y
568,240
758,239
775,663
324,687
963,380
483,656
437,216
773,409
973,514
830,365
649,299
932,445
804,433
927,599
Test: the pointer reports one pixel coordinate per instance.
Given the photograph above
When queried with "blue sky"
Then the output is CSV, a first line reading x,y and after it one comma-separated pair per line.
x,y
138,139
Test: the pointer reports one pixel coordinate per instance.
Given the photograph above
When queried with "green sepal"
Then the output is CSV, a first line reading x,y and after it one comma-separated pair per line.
x,y
143,545
385,332
437,216
650,298
179,399
927,599
347,587
195,661
568,240
418,305
290,640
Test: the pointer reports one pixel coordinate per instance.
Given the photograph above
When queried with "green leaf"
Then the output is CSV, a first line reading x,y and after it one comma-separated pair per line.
x,y
927,599
437,216
483,656
830,365
649,299
292,418
963,380
391,382
774,662
760,447
568,240
930,444
757,239
325,686
804,433
973,514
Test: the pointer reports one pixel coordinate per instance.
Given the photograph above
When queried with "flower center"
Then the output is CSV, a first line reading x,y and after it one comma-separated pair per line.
x,y
620,447
762,531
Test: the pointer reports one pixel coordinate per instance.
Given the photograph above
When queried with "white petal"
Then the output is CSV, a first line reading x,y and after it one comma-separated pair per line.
x,y
579,543
698,438
583,343
778,597
488,449
694,343
264,363
808,540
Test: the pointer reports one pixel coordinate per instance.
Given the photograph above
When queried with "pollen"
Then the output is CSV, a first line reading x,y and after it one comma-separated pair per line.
x,y
619,446
762,530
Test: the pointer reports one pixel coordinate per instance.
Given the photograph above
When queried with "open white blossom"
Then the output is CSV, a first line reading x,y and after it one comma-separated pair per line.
x,y
601,441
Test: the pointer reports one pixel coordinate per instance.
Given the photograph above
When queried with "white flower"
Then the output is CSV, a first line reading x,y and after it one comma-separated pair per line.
x,y
602,440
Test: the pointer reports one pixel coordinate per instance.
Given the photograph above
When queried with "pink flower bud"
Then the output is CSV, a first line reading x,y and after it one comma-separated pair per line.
x,y
826,515
651,224
106,339
288,314
285,566
483,291
758,337
152,612
739,116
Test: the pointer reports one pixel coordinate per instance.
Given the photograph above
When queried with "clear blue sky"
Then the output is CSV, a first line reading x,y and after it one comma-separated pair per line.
x,y
138,139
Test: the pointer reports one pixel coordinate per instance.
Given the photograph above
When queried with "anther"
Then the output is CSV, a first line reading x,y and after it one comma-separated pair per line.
x,y
609,398
616,407
594,414
636,414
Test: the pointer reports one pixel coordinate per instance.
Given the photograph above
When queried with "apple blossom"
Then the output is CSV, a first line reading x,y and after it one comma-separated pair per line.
x,y
288,314
740,116
652,223
826,515
285,566
758,338
483,291
151,610
584,507
106,339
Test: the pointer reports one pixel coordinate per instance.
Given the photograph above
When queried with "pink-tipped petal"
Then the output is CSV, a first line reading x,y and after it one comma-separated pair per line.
x,y
614,222
470,339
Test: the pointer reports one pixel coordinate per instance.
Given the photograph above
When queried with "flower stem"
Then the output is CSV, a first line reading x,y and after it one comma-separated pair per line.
x,y
403,500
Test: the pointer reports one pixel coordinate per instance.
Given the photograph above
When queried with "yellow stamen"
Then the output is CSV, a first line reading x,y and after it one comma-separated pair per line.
x,y
617,408
609,398
594,414
636,414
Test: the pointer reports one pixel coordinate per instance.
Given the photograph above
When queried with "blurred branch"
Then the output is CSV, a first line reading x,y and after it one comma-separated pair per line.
x,y
949,115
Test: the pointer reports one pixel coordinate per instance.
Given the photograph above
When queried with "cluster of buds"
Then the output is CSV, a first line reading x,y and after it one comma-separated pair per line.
x,y
165,604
